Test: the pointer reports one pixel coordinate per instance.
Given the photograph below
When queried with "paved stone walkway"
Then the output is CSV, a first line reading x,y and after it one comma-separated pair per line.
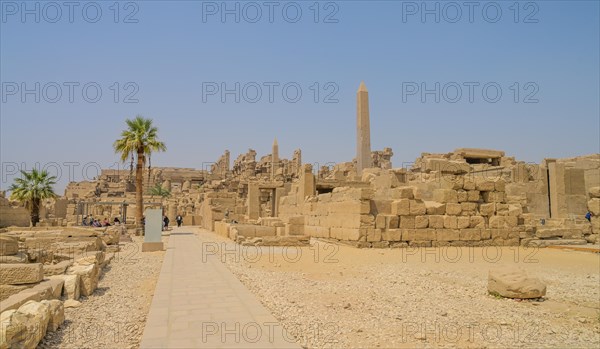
x,y
199,303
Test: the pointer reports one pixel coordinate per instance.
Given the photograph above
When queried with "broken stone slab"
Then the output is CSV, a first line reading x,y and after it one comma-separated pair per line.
x,y
57,269
95,257
89,277
9,290
71,285
9,246
549,233
20,257
16,300
23,273
511,282
55,284
25,327
56,311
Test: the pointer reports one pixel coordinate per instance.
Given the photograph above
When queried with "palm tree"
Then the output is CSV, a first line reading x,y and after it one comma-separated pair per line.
x,y
31,189
158,190
140,139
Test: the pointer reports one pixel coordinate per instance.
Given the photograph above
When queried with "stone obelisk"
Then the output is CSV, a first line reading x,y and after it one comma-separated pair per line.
x,y
274,159
363,130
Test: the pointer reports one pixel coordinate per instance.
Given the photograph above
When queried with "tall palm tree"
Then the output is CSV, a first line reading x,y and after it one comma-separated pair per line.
x,y
31,189
140,139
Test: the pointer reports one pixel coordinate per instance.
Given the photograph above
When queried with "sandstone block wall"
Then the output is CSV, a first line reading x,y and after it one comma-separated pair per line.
x,y
463,212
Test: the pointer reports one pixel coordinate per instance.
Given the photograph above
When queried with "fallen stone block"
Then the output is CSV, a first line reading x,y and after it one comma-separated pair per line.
x,y
56,269
16,300
89,277
19,258
56,312
9,246
18,274
514,283
34,317
9,290
56,287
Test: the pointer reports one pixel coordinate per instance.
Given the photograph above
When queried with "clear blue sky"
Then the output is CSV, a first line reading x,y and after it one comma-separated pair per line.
x,y
176,47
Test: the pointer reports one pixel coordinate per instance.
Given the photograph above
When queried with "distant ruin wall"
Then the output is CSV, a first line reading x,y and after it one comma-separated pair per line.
x,y
473,213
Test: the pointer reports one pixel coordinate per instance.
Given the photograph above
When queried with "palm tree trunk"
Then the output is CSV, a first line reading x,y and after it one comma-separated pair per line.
x,y
139,190
35,212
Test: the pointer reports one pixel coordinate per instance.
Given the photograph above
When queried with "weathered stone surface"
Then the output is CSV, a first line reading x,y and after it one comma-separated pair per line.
x,y
435,208
401,207
594,206
71,303
56,286
514,283
57,269
16,300
9,290
487,209
112,235
447,235
417,207
436,221
421,222
545,243
56,311
25,327
407,222
450,222
9,246
594,192
483,184
71,286
445,195
18,274
89,277
20,257
477,222
392,235
453,209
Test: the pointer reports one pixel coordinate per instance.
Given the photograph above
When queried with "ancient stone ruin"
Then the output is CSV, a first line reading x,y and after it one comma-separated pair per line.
x,y
473,197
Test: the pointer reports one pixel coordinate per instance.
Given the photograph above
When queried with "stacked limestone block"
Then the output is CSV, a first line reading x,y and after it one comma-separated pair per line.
x,y
465,211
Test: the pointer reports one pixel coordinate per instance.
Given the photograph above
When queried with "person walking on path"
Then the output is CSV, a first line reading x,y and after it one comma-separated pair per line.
x,y
166,222
179,220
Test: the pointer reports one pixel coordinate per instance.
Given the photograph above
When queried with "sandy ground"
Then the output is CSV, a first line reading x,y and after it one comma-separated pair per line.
x,y
115,315
336,296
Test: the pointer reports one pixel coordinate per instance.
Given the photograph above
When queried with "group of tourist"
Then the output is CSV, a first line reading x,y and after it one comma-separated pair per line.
x,y
92,222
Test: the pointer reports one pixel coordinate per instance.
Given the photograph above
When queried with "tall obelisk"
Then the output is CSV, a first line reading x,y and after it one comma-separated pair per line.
x,y
363,130
274,159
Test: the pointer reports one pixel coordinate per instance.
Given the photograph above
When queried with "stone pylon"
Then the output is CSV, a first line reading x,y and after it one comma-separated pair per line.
x,y
363,130
274,159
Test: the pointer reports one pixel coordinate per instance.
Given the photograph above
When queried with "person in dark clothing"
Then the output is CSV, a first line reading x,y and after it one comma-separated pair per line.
x,y
166,222
179,220
588,216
